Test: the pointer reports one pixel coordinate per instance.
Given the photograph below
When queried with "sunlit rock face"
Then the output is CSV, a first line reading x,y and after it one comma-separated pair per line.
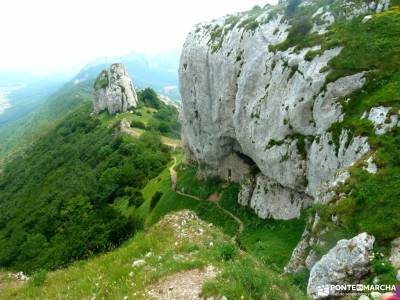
x,y
113,91
272,110
346,263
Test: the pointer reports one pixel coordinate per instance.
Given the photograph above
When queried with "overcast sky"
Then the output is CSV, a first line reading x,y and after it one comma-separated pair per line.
x,y
64,35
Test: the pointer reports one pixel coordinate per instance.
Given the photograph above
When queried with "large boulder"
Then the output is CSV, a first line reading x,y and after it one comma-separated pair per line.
x,y
395,253
346,263
113,91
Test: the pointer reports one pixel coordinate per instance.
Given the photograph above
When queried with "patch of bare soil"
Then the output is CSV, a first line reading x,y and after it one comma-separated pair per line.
x,y
8,281
214,197
183,285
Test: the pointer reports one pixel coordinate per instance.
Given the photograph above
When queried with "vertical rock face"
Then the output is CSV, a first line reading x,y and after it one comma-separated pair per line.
x,y
113,91
241,101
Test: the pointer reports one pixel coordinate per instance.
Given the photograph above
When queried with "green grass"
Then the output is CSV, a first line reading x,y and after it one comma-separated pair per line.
x,y
170,201
112,276
142,114
373,47
204,209
108,276
101,81
372,204
248,279
271,240
370,193
191,183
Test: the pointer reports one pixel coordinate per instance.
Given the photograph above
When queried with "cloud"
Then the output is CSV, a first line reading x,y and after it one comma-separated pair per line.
x,y
48,35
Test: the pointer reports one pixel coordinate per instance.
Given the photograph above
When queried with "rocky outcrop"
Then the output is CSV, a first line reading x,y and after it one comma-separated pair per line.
x,y
299,254
304,256
113,91
244,103
395,253
382,118
269,199
346,263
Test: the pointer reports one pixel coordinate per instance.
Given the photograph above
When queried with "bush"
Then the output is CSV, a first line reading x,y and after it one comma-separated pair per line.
x,y
135,196
226,251
150,98
138,124
154,200
101,80
39,277
300,279
383,269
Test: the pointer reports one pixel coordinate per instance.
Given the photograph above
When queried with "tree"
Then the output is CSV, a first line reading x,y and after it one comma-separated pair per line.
x,y
149,97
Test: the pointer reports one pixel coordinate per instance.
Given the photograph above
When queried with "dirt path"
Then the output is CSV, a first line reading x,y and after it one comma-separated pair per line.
x,y
172,173
185,285
213,199
240,222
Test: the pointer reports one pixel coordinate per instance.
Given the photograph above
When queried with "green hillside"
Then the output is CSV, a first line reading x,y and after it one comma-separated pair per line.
x,y
64,189
169,249
23,133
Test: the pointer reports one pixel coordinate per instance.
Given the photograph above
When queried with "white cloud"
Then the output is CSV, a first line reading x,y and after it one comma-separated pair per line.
x,y
51,35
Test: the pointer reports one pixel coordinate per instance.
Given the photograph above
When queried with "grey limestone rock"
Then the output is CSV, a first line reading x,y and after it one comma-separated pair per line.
x,y
346,263
395,253
244,103
113,91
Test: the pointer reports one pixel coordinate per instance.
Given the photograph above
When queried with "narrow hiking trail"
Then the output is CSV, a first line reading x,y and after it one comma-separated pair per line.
x,y
214,198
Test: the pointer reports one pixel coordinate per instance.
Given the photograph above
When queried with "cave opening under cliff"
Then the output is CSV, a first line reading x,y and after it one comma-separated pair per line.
x,y
253,168
237,164
245,158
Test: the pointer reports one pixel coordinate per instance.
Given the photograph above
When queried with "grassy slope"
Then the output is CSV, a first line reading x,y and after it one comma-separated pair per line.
x,y
111,276
170,201
271,240
378,193
145,117
21,134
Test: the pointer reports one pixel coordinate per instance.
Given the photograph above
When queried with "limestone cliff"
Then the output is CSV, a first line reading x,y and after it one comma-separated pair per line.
x,y
260,115
113,91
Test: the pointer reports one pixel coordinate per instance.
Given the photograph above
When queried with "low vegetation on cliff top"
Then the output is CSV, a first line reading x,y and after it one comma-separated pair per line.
x,y
177,243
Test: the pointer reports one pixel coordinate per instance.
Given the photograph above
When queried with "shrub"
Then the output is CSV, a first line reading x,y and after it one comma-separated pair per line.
x,y
138,124
383,269
101,80
300,279
226,251
150,98
135,196
154,200
39,277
